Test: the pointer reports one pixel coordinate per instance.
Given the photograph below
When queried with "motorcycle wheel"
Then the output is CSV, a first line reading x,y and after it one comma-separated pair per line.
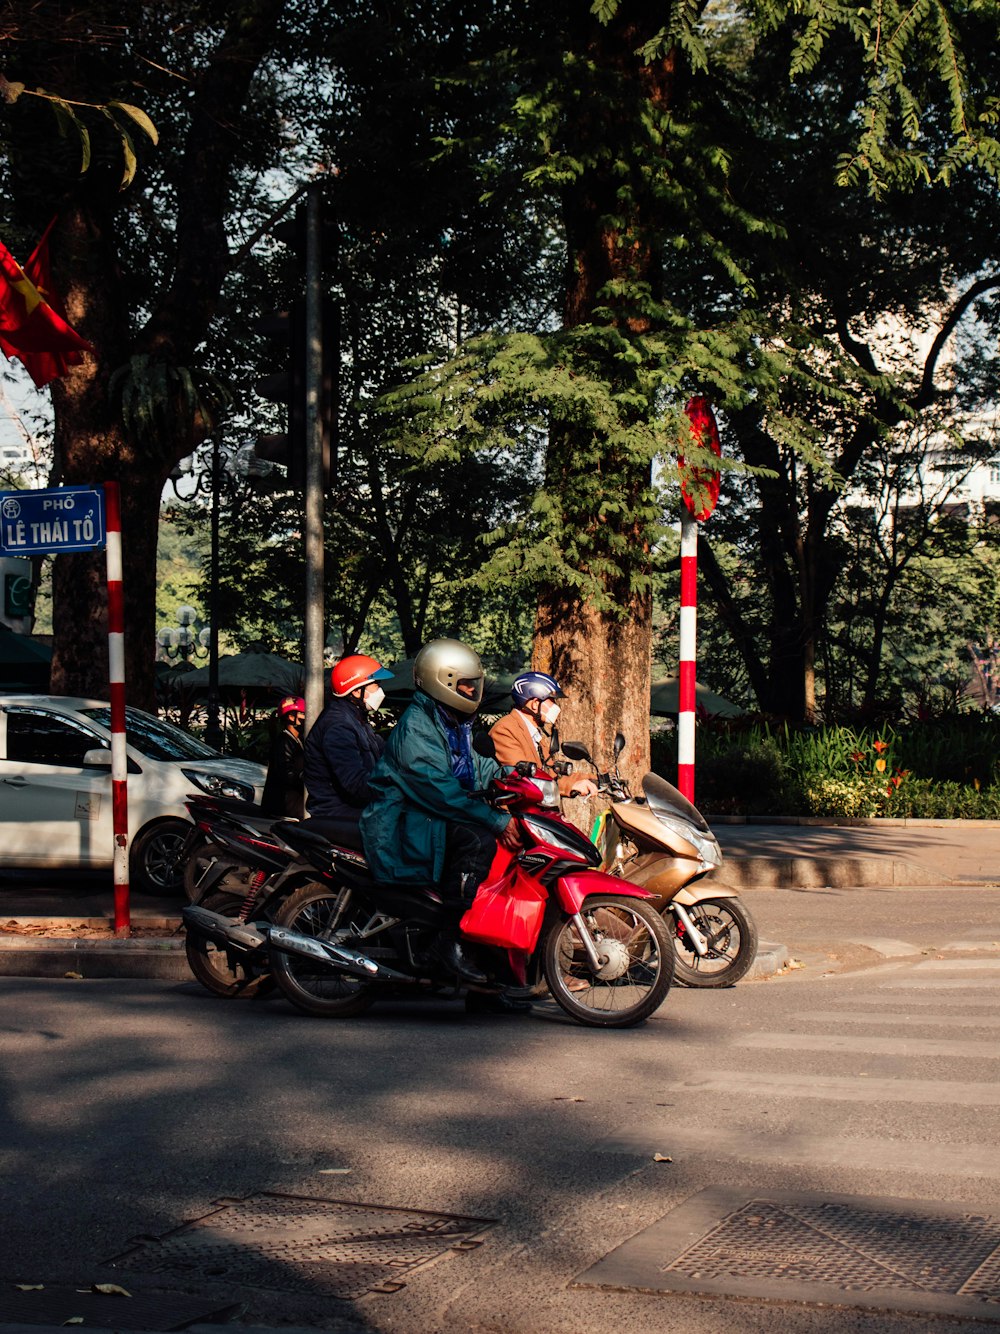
x,y
635,980
315,910
732,950
212,968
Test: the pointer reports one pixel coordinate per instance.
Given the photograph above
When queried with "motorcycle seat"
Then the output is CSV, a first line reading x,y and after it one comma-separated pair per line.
x,y
344,833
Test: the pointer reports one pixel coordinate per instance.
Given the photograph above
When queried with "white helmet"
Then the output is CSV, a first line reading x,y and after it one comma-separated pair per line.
x,y
441,665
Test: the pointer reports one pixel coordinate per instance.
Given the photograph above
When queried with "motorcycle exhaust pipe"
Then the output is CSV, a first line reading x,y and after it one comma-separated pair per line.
x,y
210,925
323,951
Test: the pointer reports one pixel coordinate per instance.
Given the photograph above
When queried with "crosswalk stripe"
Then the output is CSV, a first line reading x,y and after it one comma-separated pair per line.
x,y
977,1161
852,1088
963,1020
873,1046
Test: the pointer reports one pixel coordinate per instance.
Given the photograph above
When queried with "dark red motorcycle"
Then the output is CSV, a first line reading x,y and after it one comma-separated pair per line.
x,y
544,916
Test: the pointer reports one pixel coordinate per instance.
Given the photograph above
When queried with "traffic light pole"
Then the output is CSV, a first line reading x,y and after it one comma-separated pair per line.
x,y
314,619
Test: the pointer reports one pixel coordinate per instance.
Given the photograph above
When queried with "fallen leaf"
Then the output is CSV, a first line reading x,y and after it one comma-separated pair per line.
x,y
29,1287
74,1320
333,1171
78,977
109,1290
661,1158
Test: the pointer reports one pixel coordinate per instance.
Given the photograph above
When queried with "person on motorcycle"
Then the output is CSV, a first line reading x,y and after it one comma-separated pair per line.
x,y
525,732
425,825
283,793
342,747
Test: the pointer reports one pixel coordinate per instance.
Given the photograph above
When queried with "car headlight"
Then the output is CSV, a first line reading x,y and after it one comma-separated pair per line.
x,y
219,785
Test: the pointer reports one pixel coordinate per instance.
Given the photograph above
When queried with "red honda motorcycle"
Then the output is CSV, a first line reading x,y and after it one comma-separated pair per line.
x,y
543,917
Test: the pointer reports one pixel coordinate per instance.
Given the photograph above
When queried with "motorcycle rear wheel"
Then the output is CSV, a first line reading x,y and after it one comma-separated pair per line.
x,y
732,951
640,970
211,966
315,910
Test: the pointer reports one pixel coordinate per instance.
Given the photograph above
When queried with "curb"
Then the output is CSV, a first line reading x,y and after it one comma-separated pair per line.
x,y
48,956
833,872
770,959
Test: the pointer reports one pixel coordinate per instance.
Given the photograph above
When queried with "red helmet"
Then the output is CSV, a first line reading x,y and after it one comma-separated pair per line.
x,y
292,705
356,671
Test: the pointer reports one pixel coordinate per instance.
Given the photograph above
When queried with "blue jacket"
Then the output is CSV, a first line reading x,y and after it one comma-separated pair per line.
x,y
416,795
341,752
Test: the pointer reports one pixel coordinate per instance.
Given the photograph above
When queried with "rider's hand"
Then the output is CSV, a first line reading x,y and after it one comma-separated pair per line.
x,y
584,787
509,838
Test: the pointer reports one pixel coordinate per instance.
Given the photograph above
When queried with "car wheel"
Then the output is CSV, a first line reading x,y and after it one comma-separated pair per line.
x,y
157,866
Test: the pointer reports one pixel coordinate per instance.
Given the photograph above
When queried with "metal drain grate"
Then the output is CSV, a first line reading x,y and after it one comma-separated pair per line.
x,y
296,1243
881,1253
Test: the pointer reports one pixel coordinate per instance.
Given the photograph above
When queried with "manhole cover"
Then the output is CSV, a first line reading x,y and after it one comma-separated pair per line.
x,y
296,1243
846,1250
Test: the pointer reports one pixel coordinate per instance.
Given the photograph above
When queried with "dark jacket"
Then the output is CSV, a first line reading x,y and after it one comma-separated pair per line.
x,y
341,752
283,794
416,795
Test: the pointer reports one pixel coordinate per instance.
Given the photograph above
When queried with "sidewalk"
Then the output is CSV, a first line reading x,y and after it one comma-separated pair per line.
x,y
771,854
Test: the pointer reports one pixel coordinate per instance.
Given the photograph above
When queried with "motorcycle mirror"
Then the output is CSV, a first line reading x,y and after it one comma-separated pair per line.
x,y
576,750
619,745
482,744
554,742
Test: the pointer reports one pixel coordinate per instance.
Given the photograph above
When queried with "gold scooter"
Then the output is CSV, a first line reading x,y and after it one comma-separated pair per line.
x,y
662,842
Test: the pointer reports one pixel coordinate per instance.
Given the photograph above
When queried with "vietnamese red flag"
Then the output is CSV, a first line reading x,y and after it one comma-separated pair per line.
x,y
30,328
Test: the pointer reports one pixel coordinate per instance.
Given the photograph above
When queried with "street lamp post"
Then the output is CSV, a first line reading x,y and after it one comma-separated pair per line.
x,y
227,465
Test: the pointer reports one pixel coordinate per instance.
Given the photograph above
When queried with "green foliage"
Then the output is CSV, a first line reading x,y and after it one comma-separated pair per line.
x,y
945,769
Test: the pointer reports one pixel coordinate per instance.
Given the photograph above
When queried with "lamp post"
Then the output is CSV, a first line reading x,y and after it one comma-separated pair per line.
x,y
181,640
227,466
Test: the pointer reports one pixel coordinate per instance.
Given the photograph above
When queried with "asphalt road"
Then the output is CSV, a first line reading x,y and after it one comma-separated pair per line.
x,y
130,1108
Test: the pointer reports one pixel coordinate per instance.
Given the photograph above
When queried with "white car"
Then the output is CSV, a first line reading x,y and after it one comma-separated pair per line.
x,y
55,787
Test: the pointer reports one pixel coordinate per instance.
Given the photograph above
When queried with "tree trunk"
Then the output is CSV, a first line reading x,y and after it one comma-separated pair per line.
x,y
600,647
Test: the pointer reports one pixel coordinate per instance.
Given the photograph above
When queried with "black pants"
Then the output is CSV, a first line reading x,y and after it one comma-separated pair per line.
x,y
469,853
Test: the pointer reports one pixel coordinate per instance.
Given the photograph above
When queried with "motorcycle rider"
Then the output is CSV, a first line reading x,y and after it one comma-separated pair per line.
x,y
283,794
342,747
525,732
424,825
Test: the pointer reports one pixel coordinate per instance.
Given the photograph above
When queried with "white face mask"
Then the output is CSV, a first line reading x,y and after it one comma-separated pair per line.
x,y
373,699
550,711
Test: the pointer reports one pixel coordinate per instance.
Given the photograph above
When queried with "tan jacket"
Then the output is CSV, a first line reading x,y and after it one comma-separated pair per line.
x,y
513,742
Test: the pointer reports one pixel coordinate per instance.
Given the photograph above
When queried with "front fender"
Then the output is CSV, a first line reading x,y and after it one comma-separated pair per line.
x,y
574,888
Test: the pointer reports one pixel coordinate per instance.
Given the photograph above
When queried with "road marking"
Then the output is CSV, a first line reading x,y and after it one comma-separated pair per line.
x,y
977,1161
873,1046
962,1021
880,998
852,1088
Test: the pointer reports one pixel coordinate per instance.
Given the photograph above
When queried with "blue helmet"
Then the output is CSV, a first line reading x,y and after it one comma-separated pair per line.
x,y
534,685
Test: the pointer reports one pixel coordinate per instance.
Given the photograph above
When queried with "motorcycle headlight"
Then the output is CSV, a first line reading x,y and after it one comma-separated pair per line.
x,y
219,785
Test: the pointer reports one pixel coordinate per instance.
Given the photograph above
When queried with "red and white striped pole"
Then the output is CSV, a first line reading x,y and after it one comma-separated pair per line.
x,y
688,654
116,678
700,492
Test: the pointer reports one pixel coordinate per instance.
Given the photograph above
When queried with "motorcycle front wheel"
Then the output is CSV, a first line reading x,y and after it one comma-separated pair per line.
x,y
732,944
211,965
327,914
638,963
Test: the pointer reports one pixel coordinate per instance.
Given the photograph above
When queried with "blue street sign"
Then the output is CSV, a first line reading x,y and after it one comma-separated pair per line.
x,y
67,518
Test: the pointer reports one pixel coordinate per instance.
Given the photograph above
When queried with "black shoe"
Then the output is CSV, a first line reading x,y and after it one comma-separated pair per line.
x,y
450,953
476,1002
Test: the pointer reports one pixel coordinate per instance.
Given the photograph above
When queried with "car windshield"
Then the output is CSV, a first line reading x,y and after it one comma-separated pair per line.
x,y
156,739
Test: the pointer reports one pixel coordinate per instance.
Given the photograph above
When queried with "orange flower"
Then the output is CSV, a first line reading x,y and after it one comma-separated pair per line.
x,y
879,746
857,756
880,766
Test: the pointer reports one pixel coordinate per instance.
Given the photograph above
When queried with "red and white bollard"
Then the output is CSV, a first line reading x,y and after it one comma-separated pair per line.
x,y
699,491
116,678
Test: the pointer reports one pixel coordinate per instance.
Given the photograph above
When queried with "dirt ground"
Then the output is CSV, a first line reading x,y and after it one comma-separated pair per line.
x,y
75,930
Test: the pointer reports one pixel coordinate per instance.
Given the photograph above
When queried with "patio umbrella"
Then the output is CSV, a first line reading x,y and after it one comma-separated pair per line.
x,y
664,698
249,671
24,662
